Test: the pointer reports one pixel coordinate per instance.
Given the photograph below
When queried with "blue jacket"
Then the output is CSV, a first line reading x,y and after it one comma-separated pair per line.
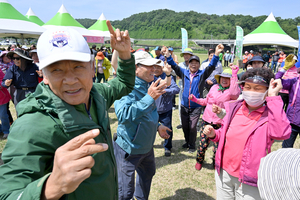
x,y
164,103
196,86
138,120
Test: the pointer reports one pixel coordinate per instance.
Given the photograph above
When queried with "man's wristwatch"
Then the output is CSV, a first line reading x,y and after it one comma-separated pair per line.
x,y
169,75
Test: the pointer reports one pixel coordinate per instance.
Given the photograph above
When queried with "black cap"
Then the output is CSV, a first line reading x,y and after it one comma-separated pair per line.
x,y
146,48
93,46
194,58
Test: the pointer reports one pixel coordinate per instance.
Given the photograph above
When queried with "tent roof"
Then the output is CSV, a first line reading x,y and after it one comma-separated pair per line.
x,y
63,18
100,28
269,33
33,18
14,24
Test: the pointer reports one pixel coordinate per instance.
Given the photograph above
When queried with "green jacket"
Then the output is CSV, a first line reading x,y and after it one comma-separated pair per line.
x,y
45,123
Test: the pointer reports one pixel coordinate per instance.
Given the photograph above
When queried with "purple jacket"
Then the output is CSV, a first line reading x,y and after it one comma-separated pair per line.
x,y
293,112
273,125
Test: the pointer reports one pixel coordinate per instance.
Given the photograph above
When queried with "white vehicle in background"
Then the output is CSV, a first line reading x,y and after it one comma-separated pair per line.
x,y
7,43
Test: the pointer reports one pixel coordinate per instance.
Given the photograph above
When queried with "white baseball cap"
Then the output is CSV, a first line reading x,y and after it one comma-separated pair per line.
x,y
144,58
62,43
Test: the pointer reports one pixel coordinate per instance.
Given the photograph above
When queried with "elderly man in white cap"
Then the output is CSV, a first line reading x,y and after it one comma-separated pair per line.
x,y
60,147
138,124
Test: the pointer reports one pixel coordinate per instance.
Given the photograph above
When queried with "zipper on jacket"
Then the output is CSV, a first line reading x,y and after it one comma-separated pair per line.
x,y
88,112
190,93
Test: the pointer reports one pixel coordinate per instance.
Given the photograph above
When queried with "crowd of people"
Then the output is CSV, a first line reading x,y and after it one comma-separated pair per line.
x,y
72,154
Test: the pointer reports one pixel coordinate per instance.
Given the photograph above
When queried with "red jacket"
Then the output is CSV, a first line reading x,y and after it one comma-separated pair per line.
x,y
273,125
4,94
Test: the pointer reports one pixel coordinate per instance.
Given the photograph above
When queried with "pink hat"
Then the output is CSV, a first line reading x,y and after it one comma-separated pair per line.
x,y
3,53
246,51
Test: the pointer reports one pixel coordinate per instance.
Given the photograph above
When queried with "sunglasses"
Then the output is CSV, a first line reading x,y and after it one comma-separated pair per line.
x,y
16,58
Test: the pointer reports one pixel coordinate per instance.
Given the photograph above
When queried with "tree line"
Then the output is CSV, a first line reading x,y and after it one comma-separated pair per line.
x,y
166,24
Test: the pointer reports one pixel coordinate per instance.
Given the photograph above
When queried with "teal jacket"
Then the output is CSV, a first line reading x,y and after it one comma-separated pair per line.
x,y
45,123
138,120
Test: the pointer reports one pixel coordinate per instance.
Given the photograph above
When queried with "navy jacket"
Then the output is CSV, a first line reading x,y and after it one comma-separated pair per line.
x,y
164,103
196,86
22,79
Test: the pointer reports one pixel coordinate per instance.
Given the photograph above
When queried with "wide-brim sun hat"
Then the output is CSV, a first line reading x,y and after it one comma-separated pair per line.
x,y
62,43
227,73
20,52
256,58
144,58
99,56
3,53
187,51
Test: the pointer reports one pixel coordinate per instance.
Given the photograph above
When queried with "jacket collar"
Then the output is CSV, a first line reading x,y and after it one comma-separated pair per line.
x,y
141,85
235,105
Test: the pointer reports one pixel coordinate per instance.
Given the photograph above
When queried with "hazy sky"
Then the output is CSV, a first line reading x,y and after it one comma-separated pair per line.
x,y
117,9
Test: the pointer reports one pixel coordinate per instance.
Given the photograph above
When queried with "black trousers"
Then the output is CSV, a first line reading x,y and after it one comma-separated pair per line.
x,y
285,99
189,119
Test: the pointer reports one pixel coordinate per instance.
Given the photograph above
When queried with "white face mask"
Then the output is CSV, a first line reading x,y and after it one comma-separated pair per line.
x,y
254,99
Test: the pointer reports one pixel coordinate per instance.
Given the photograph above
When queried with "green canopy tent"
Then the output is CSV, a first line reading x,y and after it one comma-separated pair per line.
x,y
14,24
269,33
100,28
33,18
63,18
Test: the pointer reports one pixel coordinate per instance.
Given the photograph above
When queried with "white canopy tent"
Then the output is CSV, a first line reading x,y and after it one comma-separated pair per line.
x,y
269,33
14,24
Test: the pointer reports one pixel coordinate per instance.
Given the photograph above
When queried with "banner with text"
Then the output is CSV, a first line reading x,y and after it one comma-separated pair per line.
x,y
184,36
239,42
94,39
299,41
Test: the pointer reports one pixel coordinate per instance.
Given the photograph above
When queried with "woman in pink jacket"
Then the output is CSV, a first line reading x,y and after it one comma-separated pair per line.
x,y
248,130
4,99
226,89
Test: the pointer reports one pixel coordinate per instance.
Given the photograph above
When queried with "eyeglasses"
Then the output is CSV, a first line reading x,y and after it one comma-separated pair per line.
x,y
16,58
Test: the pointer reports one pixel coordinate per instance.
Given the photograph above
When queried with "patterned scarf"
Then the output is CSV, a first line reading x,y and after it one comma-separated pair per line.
x,y
222,88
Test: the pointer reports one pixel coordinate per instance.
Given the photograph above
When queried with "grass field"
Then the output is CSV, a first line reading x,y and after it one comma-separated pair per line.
x,y
176,177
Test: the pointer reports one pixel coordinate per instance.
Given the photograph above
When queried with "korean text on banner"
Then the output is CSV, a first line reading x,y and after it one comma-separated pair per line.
x,y
184,36
239,42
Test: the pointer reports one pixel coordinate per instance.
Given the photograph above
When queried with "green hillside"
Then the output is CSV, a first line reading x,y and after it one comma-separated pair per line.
x,y
166,24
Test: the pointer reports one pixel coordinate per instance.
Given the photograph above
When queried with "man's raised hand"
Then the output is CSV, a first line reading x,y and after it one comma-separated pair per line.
x,y
156,90
219,49
120,41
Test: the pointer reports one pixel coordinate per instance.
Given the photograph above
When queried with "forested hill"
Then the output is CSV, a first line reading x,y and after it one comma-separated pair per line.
x,y
166,24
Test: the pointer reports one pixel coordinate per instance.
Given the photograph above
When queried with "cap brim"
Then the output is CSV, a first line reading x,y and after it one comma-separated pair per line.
x,y
150,62
181,55
74,56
